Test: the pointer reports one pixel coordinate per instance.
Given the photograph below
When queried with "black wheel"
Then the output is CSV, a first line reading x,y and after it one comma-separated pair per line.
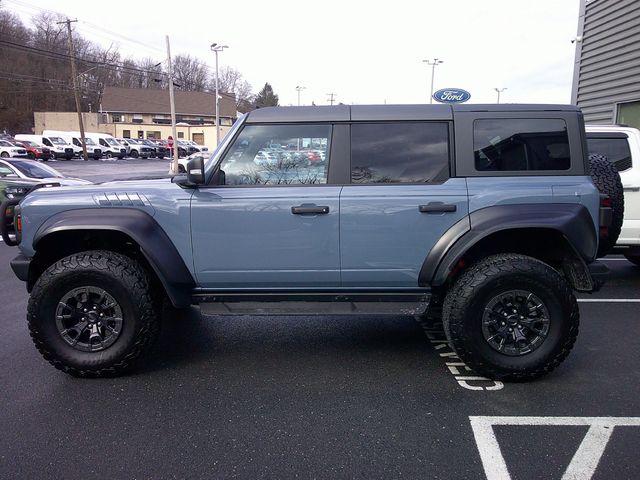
x,y
633,258
134,154
93,314
4,154
108,155
606,177
181,169
511,317
31,156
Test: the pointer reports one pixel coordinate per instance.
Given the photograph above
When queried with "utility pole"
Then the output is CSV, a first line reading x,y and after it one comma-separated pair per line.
x,y
74,78
499,90
433,64
332,98
173,170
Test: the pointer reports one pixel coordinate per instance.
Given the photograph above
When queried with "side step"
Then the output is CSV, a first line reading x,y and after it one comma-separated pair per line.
x,y
305,303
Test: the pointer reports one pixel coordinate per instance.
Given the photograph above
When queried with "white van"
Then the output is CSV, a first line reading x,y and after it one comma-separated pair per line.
x,y
93,149
58,146
110,146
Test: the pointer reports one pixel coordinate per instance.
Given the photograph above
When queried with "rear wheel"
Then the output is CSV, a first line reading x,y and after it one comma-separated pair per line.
x,y
31,155
4,154
134,154
92,314
108,155
511,317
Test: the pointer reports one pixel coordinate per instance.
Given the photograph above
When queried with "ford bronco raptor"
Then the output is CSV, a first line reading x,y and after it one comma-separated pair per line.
x,y
485,211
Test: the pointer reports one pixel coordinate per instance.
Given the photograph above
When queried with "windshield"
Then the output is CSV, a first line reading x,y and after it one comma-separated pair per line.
x,y
30,144
5,143
132,141
112,141
35,170
215,155
88,141
57,141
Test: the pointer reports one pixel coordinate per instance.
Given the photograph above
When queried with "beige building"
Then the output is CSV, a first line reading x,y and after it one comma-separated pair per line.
x,y
145,113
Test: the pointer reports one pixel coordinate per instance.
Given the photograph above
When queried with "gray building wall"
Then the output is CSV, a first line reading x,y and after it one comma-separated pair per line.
x,y
607,68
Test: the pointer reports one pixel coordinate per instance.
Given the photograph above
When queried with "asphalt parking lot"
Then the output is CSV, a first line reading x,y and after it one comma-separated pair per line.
x,y
321,397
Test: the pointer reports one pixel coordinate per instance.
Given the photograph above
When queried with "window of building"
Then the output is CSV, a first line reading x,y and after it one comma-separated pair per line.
x,y
137,118
278,155
140,134
399,152
116,117
126,133
521,144
226,121
154,135
613,146
180,134
629,114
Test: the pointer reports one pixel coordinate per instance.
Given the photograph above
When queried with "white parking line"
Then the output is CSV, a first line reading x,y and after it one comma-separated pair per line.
x,y
584,462
608,300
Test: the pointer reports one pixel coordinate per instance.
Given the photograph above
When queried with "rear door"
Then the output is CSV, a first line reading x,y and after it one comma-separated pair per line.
x,y
401,200
274,221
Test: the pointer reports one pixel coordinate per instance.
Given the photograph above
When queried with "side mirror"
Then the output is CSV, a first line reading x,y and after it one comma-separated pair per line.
x,y
195,171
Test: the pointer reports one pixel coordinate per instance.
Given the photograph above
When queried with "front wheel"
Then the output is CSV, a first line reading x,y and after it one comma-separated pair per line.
x,y
4,154
92,314
511,317
134,154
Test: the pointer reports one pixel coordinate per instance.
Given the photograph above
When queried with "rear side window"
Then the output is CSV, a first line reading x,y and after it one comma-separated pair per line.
x,y
521,145
399,152
615,149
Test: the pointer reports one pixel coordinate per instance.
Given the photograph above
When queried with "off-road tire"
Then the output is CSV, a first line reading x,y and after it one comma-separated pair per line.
x,y
467,299
126,281
606,177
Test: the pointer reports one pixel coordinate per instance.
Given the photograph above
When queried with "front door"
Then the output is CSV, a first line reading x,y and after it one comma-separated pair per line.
x,y
400,202
274,221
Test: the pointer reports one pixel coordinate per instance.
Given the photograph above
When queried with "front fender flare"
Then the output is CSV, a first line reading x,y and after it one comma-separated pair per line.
x,y
153,241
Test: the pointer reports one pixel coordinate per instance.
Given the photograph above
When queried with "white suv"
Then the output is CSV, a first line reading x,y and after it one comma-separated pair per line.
x,y
621,144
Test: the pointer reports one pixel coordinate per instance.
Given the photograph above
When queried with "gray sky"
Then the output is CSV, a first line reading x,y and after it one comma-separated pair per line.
x,y
363,51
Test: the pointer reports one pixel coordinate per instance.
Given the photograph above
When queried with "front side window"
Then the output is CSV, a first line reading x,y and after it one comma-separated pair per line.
x,y
516,144
278,155
400,152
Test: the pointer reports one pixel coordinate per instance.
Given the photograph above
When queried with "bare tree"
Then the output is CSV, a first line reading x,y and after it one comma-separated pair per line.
x,y
232,81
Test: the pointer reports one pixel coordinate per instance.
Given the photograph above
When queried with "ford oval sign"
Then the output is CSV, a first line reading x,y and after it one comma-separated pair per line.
x,y
451,95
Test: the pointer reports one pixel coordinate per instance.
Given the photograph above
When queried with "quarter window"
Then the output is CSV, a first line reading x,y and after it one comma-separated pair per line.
x,y
278,155
400,152
521,144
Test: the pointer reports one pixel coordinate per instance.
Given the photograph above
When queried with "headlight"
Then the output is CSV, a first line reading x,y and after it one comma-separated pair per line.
x,y
12,192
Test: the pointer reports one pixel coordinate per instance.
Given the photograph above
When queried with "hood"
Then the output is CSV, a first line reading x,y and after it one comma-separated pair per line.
x,y
66,181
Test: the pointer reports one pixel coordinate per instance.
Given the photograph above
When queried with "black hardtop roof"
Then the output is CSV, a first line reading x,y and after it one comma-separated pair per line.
x,y
345,113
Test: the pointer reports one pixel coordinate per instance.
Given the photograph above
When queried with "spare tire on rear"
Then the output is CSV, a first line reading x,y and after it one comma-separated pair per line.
x,y
606,177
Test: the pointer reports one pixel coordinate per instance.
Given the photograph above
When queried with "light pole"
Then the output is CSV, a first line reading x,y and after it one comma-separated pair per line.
x,y
499,90
299,89
217,48
433,64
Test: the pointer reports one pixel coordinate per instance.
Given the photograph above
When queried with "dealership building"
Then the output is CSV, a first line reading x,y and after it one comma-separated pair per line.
x,y
606,80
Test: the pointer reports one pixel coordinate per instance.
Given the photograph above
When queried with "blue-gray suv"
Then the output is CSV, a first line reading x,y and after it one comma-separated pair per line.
x,y
485,213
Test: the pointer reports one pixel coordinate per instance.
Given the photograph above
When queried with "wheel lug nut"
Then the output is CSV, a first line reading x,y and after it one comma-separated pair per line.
x,y
102,314
85,309
510,329
503,323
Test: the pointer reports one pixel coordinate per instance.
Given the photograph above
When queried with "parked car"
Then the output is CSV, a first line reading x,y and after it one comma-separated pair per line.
x,y
8,149
33,170
59,147
498,225
73,138
168,151
12,190
136,148
201,148
34,151
620,144
110,146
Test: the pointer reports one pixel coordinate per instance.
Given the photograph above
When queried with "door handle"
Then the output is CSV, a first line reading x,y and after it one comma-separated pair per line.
x,y
437,207
309,209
